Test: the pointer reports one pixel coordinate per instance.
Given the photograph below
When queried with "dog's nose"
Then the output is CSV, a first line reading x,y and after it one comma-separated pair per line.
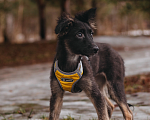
x,y
95,49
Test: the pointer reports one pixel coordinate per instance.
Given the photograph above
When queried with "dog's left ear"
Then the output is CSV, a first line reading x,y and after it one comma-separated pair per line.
x,y
63,24
87,17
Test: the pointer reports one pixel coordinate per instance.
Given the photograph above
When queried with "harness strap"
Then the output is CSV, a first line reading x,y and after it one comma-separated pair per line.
x,y
67,80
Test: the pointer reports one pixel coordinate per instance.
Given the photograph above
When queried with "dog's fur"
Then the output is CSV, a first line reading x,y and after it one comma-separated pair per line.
x,y
106,67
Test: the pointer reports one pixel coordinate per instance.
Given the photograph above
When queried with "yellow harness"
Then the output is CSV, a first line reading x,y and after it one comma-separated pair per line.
x,y
67,80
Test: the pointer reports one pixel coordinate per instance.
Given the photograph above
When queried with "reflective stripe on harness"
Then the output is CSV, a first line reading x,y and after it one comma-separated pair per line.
x,y
67,80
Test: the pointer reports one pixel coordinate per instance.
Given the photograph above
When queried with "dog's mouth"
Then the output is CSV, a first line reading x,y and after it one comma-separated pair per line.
x,y
91,51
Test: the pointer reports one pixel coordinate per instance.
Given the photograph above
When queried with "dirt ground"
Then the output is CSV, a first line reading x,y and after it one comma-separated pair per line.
x,y
27,54
137,83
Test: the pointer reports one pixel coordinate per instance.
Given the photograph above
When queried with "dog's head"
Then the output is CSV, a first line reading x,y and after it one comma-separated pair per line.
x,y
77,33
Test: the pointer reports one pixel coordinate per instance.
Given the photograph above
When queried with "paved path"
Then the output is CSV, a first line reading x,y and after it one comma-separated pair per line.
x,y
136,61
28,87
124,41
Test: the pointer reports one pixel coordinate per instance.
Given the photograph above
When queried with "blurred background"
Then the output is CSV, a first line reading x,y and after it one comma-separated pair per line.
x,y
27,50
34,20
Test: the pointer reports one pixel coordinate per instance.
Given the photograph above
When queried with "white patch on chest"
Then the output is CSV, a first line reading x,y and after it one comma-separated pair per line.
x,y
73,58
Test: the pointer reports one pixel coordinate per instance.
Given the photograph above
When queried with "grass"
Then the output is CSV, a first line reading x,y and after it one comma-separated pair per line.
x,y
137,83
42,117
69,118
3,117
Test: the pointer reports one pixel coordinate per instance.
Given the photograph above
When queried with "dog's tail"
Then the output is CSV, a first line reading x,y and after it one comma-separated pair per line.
x,y
131,105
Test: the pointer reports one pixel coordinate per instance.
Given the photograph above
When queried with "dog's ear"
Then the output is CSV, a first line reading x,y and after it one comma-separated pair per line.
x,y
87,17
64,24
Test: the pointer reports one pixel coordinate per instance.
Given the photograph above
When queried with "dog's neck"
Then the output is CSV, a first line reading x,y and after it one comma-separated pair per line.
x,y
67,61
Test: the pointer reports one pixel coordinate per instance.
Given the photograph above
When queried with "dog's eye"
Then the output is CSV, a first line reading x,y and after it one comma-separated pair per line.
x,y
80,35
91,33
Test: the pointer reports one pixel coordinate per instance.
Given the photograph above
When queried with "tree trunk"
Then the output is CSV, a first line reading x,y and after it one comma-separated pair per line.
x,y
20,17
42,21
80,5
65,6
9,24
8,30
94,5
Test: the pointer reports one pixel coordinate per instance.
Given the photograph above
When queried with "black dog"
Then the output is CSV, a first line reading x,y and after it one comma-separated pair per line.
x,y
106,68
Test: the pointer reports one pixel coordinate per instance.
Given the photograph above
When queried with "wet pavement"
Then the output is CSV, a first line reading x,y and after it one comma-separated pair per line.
x,y
126,41
27,87
136,61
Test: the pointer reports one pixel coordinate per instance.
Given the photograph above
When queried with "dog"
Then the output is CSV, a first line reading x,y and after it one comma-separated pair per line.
x,y
82,65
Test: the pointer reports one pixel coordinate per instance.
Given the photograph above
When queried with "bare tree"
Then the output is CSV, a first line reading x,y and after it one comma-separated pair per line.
x,y
94,5
20,16
8,30
42,20
80,5
65,6
9,23
94,2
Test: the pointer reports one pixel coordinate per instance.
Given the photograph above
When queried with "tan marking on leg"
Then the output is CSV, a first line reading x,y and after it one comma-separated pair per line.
x,y
101,81
105,116
127,112
57,110
54,115
110,103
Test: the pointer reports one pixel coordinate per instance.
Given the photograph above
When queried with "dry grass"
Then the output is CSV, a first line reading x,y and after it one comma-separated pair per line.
x,y
28,53
137,83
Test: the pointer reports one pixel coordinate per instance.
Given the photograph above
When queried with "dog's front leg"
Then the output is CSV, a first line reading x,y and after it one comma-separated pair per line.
x,y
96,96
116,91
56,100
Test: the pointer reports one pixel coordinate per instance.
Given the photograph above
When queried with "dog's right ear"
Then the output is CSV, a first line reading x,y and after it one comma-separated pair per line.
x,y
63,24
87,17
